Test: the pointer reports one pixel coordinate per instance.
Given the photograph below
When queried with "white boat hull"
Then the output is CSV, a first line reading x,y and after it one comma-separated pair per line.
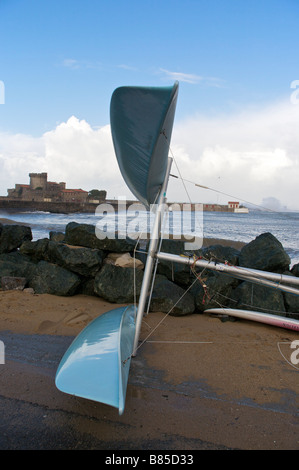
x,y
241,210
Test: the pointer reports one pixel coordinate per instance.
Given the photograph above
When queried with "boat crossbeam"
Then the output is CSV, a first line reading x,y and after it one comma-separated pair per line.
x,y
269,279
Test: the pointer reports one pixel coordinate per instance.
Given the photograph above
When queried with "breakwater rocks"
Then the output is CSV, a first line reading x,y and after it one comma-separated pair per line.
x,y
78,262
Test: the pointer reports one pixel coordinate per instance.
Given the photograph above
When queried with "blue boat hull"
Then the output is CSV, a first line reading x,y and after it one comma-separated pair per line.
x,y
97,363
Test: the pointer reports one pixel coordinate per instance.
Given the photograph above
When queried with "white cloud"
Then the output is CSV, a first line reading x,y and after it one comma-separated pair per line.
x,y
251,156
127,67
18,153
82,156
75,64
73,152
192,78
71,63
182,77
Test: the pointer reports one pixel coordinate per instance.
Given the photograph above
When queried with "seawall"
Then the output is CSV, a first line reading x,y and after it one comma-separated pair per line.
x,y
11,205
55,207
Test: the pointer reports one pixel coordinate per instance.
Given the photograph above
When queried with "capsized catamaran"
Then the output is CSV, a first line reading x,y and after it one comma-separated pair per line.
x,y
96,365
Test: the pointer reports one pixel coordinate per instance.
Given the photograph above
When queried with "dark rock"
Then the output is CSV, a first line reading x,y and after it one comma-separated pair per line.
x,y
177,272
116,284
295,270
15,264
291,301
78,259
13,283
168,297
265,253
80,234
52,279
86,235
86,287
37,250
12,237
213,290
221,254
117,245
292,305
250,296
56,236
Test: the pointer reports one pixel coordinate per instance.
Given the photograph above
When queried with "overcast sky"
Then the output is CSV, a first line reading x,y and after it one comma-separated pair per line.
x,y
236,125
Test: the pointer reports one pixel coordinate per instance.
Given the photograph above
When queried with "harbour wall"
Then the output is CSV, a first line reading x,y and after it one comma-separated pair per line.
x,y
58,207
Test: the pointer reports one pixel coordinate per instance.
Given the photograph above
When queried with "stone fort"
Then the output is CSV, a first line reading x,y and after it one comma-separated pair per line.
x,y
40,189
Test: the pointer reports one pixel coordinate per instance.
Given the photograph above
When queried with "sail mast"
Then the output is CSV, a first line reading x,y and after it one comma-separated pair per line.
x,y
152,252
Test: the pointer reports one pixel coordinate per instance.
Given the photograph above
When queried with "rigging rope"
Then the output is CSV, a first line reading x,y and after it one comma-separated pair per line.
x,y
198,277
235,197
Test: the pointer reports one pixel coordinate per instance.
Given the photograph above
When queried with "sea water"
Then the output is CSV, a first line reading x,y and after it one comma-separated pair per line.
x,y
222,225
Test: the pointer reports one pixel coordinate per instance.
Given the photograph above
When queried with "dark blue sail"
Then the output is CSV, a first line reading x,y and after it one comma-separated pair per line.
x,y
141,125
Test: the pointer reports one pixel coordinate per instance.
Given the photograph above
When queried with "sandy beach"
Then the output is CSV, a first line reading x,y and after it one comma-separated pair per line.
x,y
6,221
196,383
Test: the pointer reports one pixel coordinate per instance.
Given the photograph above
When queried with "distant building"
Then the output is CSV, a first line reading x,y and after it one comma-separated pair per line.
x,y
78,195
237,208
233,205
40,189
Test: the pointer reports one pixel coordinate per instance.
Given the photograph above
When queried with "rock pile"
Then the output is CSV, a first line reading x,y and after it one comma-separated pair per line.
x,y
78,261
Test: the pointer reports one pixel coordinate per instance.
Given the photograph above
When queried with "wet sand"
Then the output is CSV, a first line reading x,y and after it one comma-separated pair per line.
x,y
5,221
196,382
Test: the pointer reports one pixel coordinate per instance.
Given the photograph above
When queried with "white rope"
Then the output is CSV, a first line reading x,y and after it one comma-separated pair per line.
x,y
197,277
166,315
181,342
259,206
